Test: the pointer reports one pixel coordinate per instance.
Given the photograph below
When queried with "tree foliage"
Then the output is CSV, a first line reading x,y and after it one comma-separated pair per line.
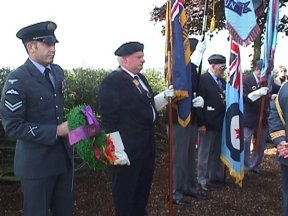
x,y
195,14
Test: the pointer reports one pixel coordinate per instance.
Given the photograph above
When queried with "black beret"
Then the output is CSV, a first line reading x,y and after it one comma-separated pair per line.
x,y
193,44
217,59
259,64
43,31
129,48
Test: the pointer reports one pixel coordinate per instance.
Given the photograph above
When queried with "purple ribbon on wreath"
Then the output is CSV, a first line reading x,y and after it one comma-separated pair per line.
x,y
92,129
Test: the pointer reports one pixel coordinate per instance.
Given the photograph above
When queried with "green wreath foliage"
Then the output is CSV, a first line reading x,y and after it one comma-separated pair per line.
x,y
85,148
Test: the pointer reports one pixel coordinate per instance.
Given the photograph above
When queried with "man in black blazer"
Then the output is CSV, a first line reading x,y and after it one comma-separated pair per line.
x,y
32,112
210,122
252,92
128,109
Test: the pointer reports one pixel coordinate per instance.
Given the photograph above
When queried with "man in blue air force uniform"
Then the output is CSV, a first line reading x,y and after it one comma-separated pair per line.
x,y
278,129
32,112
129,109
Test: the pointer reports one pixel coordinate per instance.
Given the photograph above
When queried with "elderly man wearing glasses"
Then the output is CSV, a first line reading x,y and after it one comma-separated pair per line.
x,y
210,121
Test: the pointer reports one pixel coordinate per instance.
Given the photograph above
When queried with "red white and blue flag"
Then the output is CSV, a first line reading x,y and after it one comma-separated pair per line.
x,y
177,59
232,154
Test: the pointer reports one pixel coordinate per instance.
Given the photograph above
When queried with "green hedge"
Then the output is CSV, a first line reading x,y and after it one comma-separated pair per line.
x,y
83,84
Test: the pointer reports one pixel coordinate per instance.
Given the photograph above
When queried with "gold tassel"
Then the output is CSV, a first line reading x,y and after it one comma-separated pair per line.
x,y
213,19
212,24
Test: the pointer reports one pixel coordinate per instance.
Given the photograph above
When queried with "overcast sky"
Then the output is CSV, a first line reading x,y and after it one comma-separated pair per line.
x,y
89,32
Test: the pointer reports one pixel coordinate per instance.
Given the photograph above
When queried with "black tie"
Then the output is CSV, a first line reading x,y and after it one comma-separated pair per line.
x,y
220,84
46,73
140,87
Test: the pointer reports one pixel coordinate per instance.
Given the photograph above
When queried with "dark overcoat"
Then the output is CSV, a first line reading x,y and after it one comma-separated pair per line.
x,y
125,109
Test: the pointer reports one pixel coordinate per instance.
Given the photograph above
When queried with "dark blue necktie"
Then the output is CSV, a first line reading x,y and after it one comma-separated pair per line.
x,y
47,76
219,83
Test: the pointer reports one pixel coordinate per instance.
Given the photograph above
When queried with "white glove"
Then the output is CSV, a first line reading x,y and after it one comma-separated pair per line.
x,y
264,90
169,92
198,102
201,47
161,99
255,95
122,158
197,55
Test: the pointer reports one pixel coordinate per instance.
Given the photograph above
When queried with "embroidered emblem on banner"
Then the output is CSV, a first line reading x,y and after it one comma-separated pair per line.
x,y
32,130
241,21
238,7
12,81
13,107
12,92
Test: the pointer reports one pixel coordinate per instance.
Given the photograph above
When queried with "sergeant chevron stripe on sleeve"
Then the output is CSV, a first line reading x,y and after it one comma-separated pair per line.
x,y
13,107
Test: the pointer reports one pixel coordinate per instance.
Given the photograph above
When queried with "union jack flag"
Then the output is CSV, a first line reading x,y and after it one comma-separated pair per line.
x,y
235,74
232,154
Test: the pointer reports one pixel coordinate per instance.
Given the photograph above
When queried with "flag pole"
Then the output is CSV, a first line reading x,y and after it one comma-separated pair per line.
x,y
203,31
171,138
260,124
269,50
204,24
169,74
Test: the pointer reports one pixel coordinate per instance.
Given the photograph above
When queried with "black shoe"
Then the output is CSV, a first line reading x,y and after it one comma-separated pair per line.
x,y
204,187
197,196
182,202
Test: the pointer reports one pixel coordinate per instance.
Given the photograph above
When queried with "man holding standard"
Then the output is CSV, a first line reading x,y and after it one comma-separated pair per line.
x,y
129,109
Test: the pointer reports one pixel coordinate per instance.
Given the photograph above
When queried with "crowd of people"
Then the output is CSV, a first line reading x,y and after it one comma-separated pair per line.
x,y
32,107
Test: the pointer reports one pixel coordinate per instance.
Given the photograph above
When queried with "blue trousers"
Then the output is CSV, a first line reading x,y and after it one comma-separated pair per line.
x,y
54,193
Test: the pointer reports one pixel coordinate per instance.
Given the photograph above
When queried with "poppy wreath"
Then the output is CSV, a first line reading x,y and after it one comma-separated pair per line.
x,y
90,141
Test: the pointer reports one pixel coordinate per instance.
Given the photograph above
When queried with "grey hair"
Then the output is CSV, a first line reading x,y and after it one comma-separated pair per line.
x,y
120,60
